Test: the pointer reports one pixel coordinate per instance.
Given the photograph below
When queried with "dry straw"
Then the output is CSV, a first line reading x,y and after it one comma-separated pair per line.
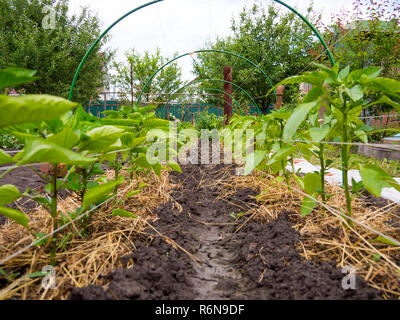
x,y
325,236
86,261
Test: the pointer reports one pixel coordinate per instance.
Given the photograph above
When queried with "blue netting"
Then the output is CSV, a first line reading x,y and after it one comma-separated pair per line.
x,y
181,112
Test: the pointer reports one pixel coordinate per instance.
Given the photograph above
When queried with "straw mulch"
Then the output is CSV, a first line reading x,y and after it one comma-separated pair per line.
x,y
324,235
84,261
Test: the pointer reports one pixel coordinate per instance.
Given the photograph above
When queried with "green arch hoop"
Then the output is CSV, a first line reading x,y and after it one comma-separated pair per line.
x,y
202,51
156,1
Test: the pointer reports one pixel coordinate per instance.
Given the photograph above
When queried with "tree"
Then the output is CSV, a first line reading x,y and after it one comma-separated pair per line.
x,y
132,75
273,38
54,52
370,35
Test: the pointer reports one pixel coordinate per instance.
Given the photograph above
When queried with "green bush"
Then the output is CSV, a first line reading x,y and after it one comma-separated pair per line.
x,y
209,121
8,141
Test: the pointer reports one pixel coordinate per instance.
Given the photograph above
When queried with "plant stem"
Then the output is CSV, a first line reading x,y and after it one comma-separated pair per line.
x,y
7,172
54,213
345,165
131,163
282,161
322,172
117,168
286,174
292,163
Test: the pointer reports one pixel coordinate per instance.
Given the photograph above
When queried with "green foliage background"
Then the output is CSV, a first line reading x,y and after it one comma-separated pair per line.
x,y
54,53
272,37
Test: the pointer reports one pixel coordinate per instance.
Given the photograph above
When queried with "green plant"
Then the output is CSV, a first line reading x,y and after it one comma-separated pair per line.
x,y
209,121
8,141
344,94
59,132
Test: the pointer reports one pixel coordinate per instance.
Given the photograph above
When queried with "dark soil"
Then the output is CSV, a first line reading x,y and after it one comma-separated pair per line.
x,y
258,262
24,178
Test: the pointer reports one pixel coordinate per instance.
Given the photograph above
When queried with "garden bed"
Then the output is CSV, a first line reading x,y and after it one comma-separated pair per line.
x,y
198,249
204,234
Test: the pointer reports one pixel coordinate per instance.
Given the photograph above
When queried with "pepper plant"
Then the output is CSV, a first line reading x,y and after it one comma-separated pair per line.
x,y
57,131
343,93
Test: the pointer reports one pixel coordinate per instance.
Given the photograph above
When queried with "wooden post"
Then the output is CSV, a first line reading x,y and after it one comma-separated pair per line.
x,y
279,93
228,94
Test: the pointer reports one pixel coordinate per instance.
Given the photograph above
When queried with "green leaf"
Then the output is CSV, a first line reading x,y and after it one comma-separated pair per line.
x,y
132,193
41,235
319,134
386,241
174,166
123,213
5,158
356,93
31,108
41,151
283,153
16,216
387,85
253,160
11,77
142,162
331,71
138,141
101,138
375,179
67,138
44,201
307,206
368,73
362,135
119,122
314,78
100,192
157,168
316,93
38,274
356,186
297,117
156,123
344,73
390,102
8,194
312,183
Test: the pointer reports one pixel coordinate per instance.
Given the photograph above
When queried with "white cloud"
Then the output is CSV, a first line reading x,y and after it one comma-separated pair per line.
x,y
178,25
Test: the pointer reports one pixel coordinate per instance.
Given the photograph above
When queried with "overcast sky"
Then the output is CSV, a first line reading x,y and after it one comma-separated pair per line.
x,y
179,25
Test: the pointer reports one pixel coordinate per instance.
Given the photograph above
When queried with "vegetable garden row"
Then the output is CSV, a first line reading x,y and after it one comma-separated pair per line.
x,y
78,146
